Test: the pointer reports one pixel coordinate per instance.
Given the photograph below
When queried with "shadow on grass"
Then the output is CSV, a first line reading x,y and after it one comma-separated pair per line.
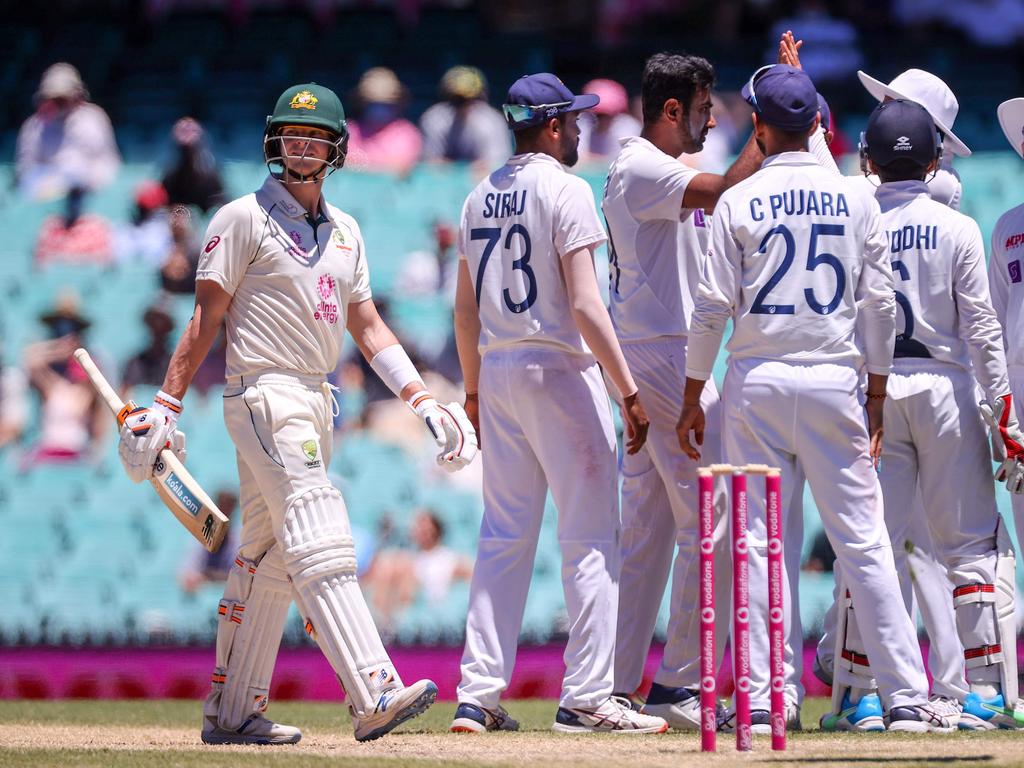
x,y
915,760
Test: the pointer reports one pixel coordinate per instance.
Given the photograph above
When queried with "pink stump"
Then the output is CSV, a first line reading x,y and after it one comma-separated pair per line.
x,y
776,630
708,703
741,610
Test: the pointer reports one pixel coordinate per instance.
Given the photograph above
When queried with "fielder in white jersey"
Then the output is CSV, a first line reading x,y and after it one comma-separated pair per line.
x,y
655,210
287,274
791,396
531,329
1006,281
935,433
916,564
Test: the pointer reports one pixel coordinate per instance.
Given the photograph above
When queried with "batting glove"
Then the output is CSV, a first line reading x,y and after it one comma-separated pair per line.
x,y
1007,441
425,406
461,443
147,431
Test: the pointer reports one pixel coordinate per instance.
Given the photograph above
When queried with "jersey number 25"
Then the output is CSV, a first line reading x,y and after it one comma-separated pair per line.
x,y
493,235
814,260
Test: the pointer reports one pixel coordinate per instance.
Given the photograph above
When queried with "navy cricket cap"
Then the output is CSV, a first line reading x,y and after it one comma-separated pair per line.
x,y
532,99
782,96
901,130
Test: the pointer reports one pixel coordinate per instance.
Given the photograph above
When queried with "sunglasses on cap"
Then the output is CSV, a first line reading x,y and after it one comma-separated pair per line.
x,y
525,113
750,84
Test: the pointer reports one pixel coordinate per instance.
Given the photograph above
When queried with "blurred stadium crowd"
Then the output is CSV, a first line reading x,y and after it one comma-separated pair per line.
x,y
119,140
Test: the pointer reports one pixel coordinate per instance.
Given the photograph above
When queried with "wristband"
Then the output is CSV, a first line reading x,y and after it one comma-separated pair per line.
x,y
395,369
168,405
876,395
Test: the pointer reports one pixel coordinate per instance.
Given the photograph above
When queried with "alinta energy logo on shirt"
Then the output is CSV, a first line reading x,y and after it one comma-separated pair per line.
x,y
326,308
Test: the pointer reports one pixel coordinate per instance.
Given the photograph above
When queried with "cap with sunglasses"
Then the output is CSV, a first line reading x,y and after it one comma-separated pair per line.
x,y
532,99
783,96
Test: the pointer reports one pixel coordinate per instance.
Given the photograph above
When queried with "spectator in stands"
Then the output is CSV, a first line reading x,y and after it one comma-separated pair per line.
x,y
193,179
381,139
835,55
148,366
13,403
213,370
463,126
203,567
399,577
148,238
72,417
68,143
431,272
178,272
821,558
74,237
603,126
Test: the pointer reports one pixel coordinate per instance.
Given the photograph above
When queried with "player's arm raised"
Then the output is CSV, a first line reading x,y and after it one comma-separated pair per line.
x,y
467,340
714,304
448,424
704,189
595,326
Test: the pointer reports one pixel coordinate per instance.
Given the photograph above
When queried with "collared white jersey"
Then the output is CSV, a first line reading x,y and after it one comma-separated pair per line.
x,y
655,246
291,280
516,226
943,307
796,254
1006,282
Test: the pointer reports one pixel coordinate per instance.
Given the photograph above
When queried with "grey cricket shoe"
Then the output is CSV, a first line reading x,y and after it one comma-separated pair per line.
x,y
921,718
393,708
255,730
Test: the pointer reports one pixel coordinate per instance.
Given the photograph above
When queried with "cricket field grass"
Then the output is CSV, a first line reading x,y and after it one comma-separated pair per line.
x,y
111,734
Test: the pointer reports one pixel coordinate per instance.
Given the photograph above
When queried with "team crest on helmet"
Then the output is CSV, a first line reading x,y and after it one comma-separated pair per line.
x,y
304,100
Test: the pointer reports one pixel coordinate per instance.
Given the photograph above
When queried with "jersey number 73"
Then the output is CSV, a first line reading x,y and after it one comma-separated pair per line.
x,y
492,236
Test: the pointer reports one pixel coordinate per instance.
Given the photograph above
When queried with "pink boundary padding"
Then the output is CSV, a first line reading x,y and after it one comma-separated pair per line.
x,y
776,617
741,611
301,673
708,703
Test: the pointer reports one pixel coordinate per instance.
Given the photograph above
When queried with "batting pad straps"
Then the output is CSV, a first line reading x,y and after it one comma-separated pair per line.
x,y
248,638
395,368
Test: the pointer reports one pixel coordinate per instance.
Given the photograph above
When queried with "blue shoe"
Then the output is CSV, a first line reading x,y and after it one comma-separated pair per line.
x,y
989,714
469,718
393,708
865,715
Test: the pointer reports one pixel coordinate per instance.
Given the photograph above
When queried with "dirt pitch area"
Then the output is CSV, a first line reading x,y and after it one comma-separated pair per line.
x,y
107,734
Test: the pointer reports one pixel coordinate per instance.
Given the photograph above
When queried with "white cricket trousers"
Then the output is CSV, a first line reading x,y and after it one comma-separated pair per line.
x,y
809,421
659,516
1016,374
545,421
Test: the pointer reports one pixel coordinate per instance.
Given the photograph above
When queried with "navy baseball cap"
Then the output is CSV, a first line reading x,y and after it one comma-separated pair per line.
x,y
826,115
532,99
901,130
782,96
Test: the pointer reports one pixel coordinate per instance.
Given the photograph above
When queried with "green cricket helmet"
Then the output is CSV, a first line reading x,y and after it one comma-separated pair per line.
x,y
313,105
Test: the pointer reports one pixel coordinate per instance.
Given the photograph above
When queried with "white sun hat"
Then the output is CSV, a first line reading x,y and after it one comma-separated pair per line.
x,y
1011,118
928,91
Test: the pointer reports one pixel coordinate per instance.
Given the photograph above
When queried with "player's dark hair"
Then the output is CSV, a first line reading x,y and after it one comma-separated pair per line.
x,y
672,76
527,137
903,169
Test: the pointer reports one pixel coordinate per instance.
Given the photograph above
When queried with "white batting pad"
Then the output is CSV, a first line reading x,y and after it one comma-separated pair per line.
x,y
252,616
321,559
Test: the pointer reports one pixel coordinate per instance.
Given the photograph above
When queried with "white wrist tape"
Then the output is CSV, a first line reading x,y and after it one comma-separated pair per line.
x,y
169,406
395,368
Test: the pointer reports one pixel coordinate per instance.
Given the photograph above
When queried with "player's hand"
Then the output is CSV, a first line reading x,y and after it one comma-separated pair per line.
x,y
460,438
144,433
472,409
425,406
789,50
635,418
1007,441
691,419
875,408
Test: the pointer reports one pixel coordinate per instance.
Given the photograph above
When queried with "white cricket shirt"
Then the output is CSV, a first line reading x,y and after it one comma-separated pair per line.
x,y
655,246
942,297
796,253
291,279
1006,281
516,226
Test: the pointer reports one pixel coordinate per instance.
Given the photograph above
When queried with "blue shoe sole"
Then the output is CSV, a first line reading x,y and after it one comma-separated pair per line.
x,y
417,708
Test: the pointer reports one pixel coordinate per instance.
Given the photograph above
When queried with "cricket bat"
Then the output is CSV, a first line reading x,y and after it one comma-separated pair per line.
x,y
173,483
